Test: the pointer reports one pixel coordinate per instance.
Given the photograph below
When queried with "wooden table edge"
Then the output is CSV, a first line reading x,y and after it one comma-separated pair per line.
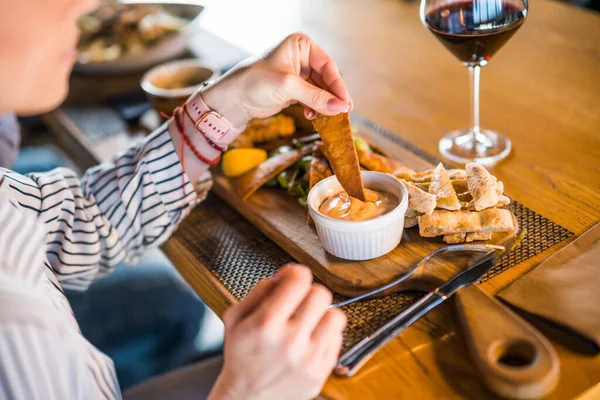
x,y
203,282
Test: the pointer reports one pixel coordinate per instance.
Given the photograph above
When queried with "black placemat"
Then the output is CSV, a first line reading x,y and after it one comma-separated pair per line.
x,y
239,255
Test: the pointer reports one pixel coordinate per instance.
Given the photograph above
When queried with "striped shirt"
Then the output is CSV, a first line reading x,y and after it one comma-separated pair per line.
x,y
60,231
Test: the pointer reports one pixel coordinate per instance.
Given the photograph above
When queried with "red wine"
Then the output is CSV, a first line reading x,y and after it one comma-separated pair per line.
x,y
475,30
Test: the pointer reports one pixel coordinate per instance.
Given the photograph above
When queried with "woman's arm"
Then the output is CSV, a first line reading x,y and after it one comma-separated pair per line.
x,y
42,354
118,209
296,71
136,201
112,213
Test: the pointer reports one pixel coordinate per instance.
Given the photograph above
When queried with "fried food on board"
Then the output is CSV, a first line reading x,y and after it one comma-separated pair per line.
x,y
460,186
456,238
260,130
438,189
419,200
502,201
442,188
336,134
459,205
319,168
443,222
409,222
484,187
241,142
296,111
426,176
250,182
473,236
267,129
376,162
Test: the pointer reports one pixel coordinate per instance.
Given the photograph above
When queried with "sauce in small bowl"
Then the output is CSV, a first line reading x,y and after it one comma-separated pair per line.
x,y
342,206
359,233
170,84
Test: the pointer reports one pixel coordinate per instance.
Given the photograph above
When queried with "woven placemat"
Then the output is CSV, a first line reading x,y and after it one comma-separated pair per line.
x,y
541,232
239,255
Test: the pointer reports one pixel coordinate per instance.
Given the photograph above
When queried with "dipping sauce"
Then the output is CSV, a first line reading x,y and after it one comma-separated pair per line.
x,y
342,206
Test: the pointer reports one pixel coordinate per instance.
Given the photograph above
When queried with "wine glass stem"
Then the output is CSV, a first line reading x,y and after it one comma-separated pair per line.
x,y
474,73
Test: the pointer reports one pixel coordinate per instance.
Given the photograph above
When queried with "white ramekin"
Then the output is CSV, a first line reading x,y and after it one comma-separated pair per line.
x,y
359,240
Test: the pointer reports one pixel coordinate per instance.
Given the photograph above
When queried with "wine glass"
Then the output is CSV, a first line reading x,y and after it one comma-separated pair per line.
x,y
474,30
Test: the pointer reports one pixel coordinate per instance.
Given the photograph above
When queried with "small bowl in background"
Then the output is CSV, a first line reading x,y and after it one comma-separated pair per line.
x,y
359,240
170,84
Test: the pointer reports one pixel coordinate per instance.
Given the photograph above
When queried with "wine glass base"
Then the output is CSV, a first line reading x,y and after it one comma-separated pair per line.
x,y
484,147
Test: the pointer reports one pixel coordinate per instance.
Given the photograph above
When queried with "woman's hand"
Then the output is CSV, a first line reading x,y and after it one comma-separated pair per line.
x,y
281,341
295,71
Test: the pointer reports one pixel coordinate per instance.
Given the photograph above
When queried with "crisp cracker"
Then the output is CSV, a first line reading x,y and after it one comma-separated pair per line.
x,y
409,222
484,187
442,222
442,188
455,238
460,186
419,200
473,236
426,176
336,135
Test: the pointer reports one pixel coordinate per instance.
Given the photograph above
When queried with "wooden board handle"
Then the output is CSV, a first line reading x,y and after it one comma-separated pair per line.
x,y
516,361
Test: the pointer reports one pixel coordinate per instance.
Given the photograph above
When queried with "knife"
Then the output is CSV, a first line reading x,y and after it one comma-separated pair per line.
x,y
351,361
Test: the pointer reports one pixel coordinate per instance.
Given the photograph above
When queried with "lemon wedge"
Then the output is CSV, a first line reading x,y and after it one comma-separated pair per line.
x,y
237,162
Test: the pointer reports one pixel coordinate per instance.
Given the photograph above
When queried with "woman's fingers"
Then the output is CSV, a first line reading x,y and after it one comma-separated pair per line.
x,y
325,67
312,309
315,79
320,100
327,339
330,353
309,113
333,322
291,287
241,310
318,84
318,81
332,80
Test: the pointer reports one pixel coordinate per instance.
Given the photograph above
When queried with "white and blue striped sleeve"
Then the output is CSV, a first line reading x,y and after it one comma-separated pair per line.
x,y
42,355
111,214
39,360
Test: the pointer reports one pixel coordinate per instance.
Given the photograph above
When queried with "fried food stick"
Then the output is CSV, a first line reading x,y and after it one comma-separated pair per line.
x,y
336,135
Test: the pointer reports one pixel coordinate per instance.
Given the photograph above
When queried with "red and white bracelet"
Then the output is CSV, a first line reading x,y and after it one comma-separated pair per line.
x,y
210,124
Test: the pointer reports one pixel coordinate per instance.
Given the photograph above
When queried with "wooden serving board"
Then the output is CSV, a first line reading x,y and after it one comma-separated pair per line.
x,y
279,216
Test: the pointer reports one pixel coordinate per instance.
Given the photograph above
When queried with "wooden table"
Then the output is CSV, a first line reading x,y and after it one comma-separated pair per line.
x,y
542,90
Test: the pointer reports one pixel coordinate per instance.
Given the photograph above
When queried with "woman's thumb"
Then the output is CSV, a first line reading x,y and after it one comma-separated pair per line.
x,y
323,102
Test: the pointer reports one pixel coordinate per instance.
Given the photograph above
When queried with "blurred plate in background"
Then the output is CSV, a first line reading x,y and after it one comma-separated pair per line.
x,y
127,40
